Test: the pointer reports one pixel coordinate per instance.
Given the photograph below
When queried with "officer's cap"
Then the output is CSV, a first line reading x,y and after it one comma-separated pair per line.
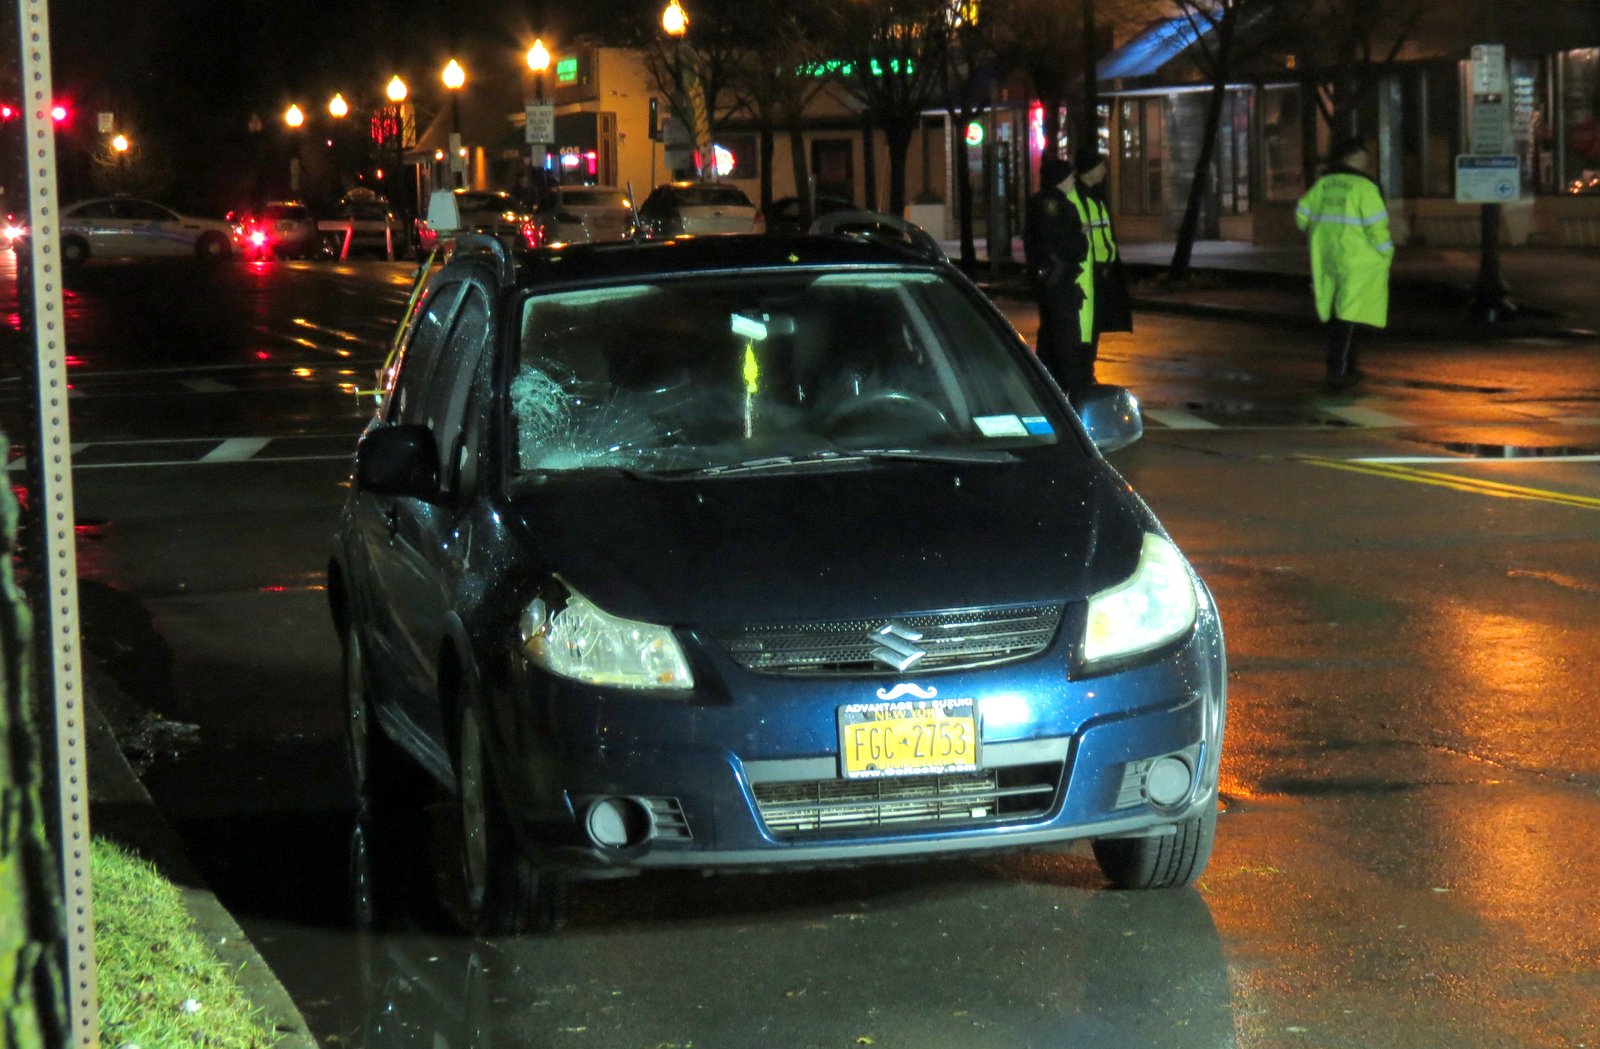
x,y
1053,169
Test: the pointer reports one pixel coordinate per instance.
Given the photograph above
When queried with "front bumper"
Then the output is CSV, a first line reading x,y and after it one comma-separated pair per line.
x,y
754,781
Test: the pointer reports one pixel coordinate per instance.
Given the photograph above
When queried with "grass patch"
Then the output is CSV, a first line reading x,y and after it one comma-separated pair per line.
x,y
160,984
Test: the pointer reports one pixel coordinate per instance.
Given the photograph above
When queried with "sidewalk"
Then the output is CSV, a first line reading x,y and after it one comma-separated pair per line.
x,y
120,809
1556,290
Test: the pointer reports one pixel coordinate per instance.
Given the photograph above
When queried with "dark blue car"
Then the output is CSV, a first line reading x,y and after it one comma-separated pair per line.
x,y
741,552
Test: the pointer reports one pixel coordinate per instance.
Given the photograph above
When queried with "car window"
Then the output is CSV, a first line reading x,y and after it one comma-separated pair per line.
x,y
594,198
699,372
452,379
483,202
368,212
705,196
144,211
408,403
97,209
288,211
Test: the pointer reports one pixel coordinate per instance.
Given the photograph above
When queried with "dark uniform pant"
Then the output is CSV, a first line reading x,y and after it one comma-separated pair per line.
x,y
1062,350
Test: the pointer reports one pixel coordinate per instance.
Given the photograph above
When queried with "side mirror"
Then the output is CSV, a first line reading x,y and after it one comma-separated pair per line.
x,y
399,460
1110,414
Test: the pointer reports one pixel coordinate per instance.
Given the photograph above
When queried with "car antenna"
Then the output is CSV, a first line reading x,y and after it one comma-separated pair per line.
x,y
633,206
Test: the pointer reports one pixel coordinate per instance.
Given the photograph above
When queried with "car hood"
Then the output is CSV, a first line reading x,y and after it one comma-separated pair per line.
x,y
815,546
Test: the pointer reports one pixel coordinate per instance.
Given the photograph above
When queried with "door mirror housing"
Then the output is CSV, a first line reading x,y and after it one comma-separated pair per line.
x,y
399,460
1110,414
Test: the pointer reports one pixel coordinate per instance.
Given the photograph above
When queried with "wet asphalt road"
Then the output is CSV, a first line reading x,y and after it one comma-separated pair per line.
x,y
1411,769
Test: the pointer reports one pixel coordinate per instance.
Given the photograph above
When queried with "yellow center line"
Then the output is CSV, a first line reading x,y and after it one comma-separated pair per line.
x,y
1397,472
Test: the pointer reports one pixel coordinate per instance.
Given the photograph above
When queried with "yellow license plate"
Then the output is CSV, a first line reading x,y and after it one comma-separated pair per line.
x,y
914,737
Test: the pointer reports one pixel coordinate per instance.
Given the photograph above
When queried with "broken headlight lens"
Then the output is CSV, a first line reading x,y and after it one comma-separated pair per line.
x,y
581,641
1155,605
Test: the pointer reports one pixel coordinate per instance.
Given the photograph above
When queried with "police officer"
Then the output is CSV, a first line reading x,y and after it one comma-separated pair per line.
x,y
1351,252
1111,307
1057,255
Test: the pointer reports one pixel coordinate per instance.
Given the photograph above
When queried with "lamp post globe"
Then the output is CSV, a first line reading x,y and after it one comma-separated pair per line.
x,y
338,107
396,90
674,19
294,116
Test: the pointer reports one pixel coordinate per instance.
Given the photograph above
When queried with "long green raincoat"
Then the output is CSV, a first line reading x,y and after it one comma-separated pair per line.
x,y
1350,247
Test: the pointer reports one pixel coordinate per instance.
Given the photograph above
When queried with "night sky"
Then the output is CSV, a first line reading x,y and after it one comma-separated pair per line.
x,y
188,74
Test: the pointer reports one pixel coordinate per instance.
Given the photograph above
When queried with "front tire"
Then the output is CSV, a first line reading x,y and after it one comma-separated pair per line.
x,y
1159,863
502,892
74,250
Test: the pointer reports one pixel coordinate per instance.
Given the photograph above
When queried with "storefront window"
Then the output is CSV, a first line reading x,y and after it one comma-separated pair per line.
x,y
1580,120
1281,130
1141,142
1233,155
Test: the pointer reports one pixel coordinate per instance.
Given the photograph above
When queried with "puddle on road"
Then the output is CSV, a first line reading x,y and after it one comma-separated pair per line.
x,y
1245,414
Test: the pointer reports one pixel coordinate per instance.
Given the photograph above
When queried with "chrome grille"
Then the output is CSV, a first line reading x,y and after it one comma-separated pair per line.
x,y
1002,795
953,640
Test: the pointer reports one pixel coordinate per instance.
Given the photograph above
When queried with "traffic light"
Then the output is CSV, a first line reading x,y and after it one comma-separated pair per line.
x,y
655,119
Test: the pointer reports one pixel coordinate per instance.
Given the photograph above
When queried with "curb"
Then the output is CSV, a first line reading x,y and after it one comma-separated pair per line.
x,y
122,810
1533,322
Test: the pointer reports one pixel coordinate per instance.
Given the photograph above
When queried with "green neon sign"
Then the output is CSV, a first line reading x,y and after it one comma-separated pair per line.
x,y
839,67
567,70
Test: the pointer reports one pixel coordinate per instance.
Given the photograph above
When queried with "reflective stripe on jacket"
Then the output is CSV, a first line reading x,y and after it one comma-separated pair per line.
x,y
1087,210
1097,224
1350,247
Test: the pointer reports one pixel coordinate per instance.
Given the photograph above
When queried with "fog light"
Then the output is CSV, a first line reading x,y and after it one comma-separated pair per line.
x,y
1168,781
616,823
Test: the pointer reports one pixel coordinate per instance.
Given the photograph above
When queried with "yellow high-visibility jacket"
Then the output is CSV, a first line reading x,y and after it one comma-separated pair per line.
x,y
1087,215
1350,247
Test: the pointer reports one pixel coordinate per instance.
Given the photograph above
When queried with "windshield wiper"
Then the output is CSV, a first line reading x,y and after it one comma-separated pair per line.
x,y
938,455
774,462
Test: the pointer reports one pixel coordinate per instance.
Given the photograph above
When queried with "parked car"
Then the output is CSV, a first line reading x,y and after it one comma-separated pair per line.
x,y
784,215
290,229
127,227
493,212
697,208
583,214
363,225
747,553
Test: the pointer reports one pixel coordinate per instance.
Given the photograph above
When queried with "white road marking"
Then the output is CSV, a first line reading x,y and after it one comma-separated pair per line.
x,y
1359,416
1179,420
235,449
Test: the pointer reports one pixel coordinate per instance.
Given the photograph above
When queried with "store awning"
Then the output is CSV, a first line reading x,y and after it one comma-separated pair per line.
x,y
1151,49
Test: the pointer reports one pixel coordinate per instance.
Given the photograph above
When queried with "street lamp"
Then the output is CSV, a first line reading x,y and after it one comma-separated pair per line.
x,y
396,92
338,108
690,98
675,20
455,78
295,118
538,62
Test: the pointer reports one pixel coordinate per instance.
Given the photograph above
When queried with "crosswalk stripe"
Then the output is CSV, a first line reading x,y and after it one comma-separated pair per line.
x,y
1179,420
1359,416
235,449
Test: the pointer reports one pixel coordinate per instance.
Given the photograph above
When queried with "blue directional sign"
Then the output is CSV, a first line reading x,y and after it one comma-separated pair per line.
x,y
1488,179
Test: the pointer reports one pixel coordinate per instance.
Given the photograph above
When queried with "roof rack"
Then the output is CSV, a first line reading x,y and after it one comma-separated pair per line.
x,y
879,226
484,244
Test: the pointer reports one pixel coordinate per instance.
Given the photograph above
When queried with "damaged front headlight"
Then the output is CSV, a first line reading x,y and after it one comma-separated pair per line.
x,y
1155,605
573,637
